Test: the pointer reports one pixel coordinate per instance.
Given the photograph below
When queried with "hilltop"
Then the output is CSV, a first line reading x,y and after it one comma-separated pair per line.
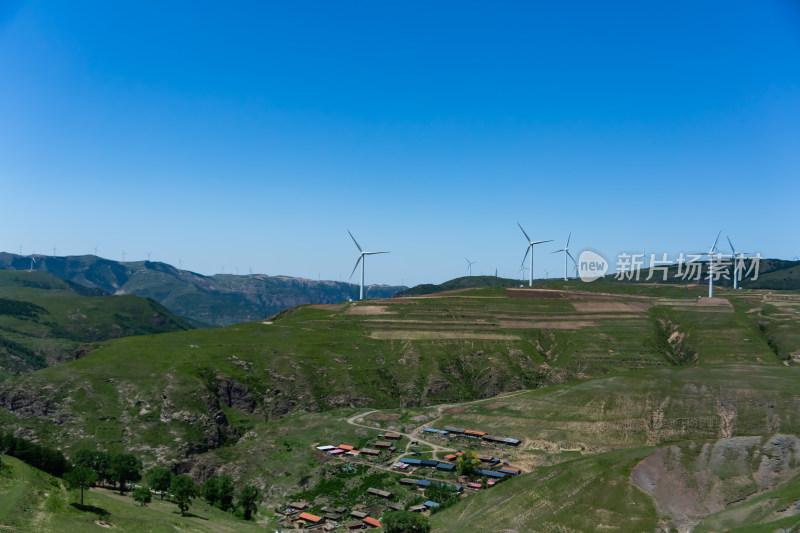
x,y
218,300
466,282
45,320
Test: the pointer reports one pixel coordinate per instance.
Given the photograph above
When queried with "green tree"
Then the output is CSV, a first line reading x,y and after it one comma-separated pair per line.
x,y
248,501
210,490
159,478
124,469
225,492
143,495
405,522
96,460
183,489
443,494
80,477
468,464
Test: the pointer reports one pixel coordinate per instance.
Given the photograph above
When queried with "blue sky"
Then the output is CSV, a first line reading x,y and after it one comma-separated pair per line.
x,y
254,134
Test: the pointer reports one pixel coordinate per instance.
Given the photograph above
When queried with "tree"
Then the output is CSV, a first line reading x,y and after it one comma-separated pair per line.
x,y
142,495
443,494
183,489
225,492
124,469
248,501
80,477
405,522
96,460
210,490
468,464
159,478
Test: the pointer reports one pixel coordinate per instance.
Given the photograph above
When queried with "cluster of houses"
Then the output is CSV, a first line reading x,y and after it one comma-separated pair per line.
x,y
500,473
451,431
378,449
331,518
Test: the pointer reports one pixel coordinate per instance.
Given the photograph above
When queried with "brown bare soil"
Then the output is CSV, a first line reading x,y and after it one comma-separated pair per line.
x,y
713,302
327,307
538,294
384,416
453,410
611,307
421,335
495,405
369,310
547,324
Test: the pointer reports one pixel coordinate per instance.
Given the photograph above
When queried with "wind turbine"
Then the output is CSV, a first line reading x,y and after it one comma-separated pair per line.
x,y
530,249
469,265
736,270
33,262
710,253
522,269
362,260
565,249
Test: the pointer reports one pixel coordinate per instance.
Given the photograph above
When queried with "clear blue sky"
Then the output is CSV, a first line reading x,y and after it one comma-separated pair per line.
x,y
254,134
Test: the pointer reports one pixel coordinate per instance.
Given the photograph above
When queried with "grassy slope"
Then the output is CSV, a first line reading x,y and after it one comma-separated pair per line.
x,y
44,319
739,387
34,501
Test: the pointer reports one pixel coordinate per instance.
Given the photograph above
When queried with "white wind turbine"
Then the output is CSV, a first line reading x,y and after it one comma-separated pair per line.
x,y
522,269
530,249
565,249
469,265
710,253
33,262
362,260
736,256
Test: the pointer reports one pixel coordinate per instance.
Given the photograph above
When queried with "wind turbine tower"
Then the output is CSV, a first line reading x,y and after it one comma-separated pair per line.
x,y
565,249
531,244
469,265
710,254
736,256
362,260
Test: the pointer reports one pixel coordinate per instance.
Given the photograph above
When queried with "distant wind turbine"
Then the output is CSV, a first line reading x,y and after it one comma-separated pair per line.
x,y
531,244
469,265
736,256
710,253
362,260
565,249
33,262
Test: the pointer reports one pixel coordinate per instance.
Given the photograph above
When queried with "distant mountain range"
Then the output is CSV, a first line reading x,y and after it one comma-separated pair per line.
x,y
218,300
45,320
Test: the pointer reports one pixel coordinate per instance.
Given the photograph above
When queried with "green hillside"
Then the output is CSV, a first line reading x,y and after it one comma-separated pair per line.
x,y
594,379
219,300
45,320
31,500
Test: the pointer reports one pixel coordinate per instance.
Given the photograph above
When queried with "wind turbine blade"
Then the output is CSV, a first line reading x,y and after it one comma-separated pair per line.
x,y
714,246
561,250
523,232
373,253
731,245
360,257
355,241
528,249
540,242
570,256
568,238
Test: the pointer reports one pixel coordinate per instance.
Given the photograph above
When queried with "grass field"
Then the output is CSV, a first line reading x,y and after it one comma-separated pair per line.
x,y
34,501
